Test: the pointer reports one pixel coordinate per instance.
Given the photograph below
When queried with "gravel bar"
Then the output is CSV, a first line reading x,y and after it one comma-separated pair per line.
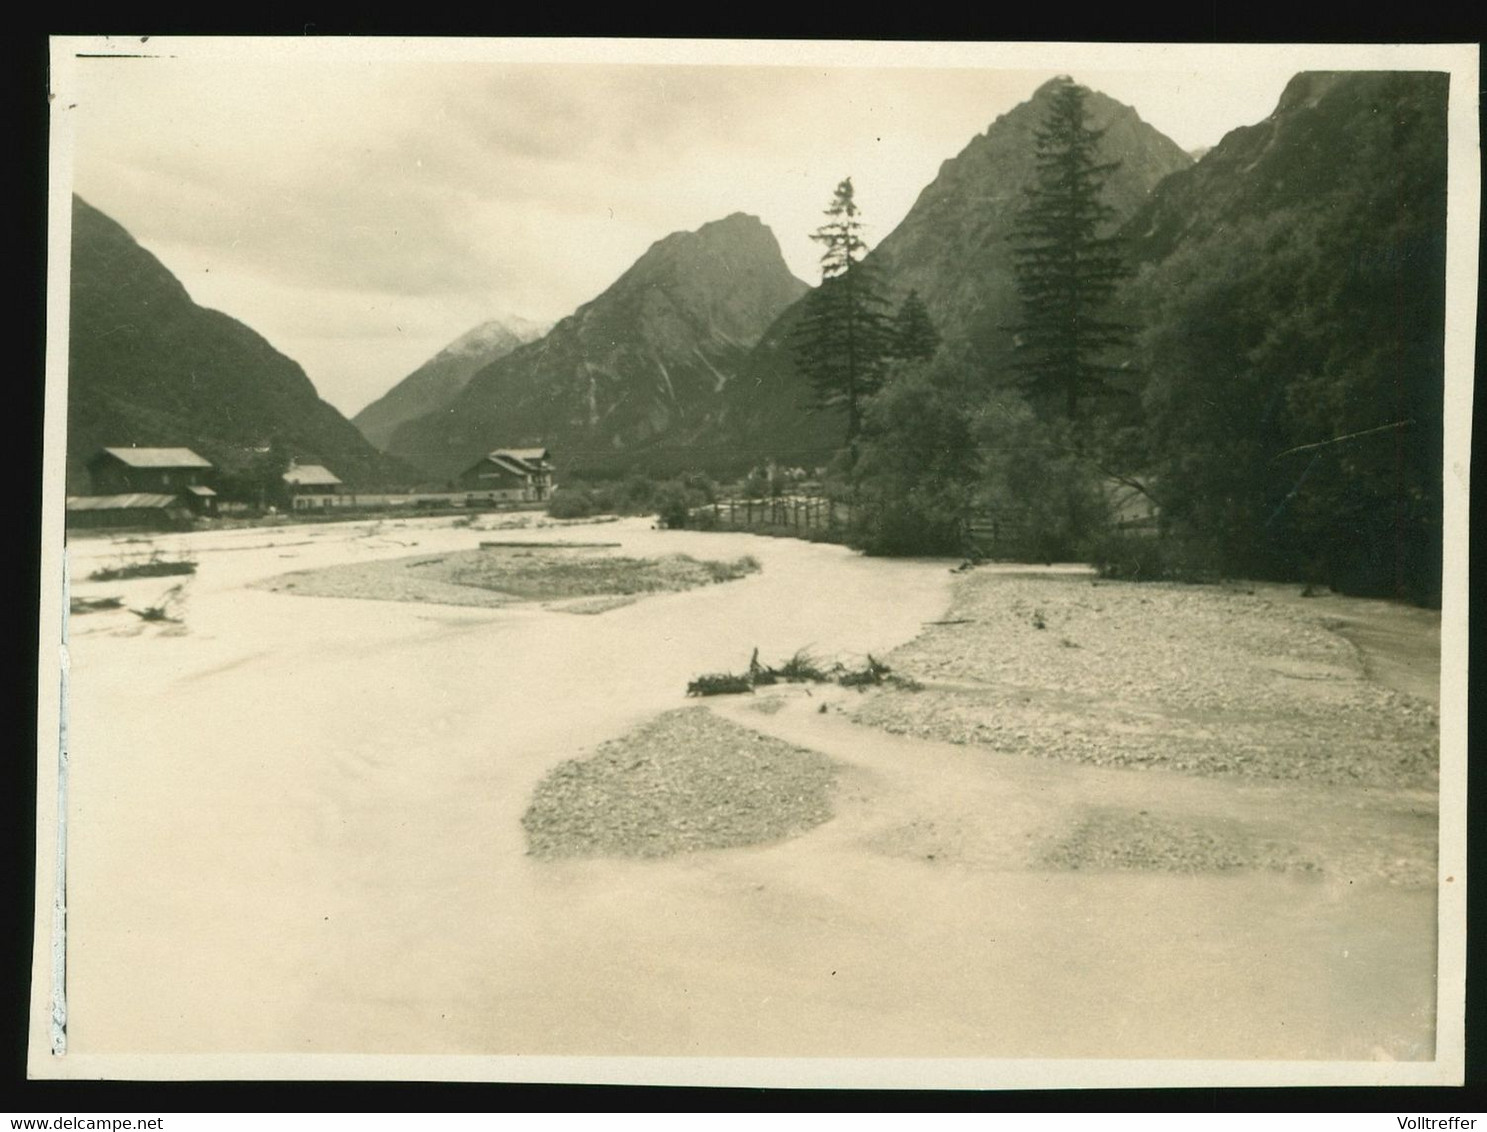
x,y
1201,679
683,781
590,578
1118,839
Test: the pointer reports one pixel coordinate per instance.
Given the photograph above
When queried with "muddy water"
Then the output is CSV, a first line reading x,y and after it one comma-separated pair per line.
x,y
297,829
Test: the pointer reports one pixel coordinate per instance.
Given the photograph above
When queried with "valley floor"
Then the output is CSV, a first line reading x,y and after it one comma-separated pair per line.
x,y
297,822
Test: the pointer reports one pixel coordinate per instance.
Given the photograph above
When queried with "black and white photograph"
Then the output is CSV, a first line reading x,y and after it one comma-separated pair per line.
x,y
843,564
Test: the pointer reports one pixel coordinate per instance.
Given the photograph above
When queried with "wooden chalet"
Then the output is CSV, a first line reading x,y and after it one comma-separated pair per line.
x,y
313,485
509,475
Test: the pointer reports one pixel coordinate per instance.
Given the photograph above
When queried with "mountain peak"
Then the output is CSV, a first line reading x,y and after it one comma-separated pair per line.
x,y
1053,84
713,260
739,232
640,364
440,379
1308,88
739,221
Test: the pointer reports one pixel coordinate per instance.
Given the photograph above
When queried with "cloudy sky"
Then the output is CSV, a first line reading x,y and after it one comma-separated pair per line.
x,y
362,203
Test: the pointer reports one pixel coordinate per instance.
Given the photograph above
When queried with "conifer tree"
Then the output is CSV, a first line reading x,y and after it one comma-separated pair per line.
x,y
914,335
844,335
1067,268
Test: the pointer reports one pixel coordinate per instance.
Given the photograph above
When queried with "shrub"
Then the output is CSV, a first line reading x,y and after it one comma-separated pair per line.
x,y
887,528
700,484
572,501
674,506
681,502
672,501
1147,558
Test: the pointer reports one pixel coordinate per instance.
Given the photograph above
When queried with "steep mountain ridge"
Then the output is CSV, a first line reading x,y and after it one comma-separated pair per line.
x,y
149,367
1292,291
1323,138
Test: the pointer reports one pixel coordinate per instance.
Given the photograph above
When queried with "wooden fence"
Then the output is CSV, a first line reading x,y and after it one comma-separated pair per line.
x,y
1007,533
1000,531
795,512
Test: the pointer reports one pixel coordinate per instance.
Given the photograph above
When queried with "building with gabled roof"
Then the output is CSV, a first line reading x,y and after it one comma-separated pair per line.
x,y
148,510
120,471
534,456
510,475
312,485
311,475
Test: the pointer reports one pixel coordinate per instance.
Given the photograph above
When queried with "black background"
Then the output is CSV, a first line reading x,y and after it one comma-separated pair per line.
x,y
25,72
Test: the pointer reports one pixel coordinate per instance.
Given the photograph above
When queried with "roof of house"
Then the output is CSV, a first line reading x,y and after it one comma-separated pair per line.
x,y
522,453
311,475
518,461
199,489
133,499
511,464
156,457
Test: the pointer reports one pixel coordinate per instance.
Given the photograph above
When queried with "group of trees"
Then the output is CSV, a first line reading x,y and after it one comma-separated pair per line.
x,y
927,443
847,339
672,501
1277,426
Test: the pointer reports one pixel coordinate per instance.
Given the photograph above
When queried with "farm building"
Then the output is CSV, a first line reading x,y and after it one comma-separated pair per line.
x,y
152,488
158,511
510,475
121,471
313,485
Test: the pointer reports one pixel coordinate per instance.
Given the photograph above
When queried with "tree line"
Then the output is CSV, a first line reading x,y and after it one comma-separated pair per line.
x,y
1245,407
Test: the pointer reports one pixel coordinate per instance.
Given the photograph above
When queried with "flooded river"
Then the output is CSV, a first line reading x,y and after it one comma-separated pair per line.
x,y
296,829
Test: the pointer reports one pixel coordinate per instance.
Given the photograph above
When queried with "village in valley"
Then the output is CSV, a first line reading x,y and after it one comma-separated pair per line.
x,y
170,489
1019,639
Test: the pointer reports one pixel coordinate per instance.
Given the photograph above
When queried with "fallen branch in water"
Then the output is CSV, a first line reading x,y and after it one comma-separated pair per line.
x,y
94,604
801,668
719,684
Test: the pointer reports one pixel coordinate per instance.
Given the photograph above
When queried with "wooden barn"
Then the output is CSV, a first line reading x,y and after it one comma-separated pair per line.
x,y
120,471
158,489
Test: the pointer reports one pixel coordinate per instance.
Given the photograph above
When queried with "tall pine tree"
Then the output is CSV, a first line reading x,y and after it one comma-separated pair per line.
x,y
844,335
1067,269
